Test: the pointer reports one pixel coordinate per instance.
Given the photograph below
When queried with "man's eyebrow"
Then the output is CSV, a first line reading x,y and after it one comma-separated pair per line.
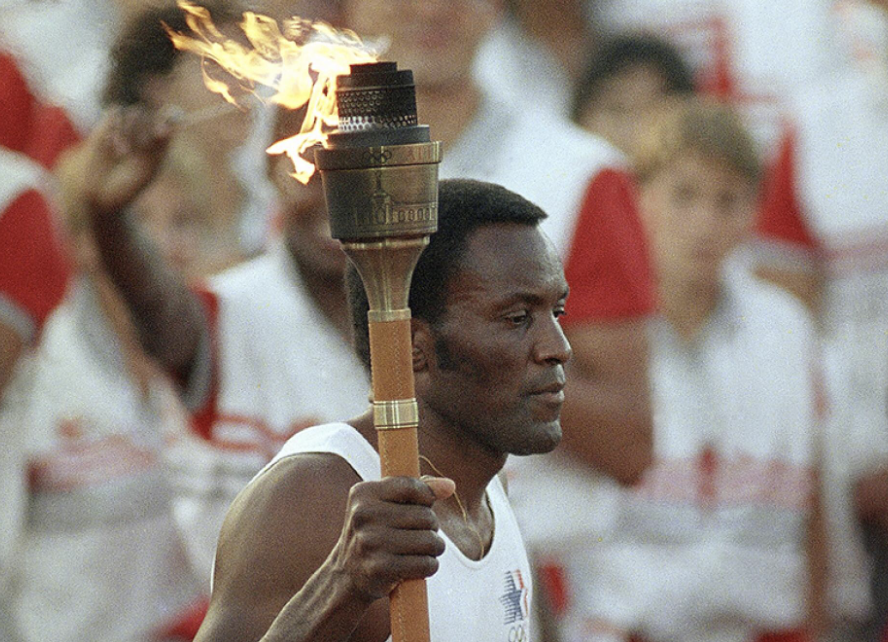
x,y
523,296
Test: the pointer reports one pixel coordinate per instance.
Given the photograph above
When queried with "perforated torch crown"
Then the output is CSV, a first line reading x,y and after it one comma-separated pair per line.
x,y
380,170
380,175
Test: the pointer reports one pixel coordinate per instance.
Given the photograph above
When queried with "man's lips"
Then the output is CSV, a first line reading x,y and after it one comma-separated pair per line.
x,y
552,393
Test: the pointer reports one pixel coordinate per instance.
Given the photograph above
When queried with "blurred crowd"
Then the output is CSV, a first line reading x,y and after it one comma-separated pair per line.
x,y
716,178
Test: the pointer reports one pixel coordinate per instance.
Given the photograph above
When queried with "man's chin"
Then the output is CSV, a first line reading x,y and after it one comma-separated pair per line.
x,y
546,439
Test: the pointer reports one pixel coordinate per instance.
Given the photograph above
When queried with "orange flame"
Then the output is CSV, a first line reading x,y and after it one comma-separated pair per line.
x,y
300,73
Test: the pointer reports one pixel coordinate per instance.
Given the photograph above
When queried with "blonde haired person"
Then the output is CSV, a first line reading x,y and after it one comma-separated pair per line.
x,y
712,543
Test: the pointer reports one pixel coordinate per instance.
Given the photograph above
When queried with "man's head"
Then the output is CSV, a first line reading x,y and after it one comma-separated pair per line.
x,y
625,78
303,210
436,39
147,70
699,175
486,298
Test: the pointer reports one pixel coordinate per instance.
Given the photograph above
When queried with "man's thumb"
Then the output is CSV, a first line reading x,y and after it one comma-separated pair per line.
x,y
441,486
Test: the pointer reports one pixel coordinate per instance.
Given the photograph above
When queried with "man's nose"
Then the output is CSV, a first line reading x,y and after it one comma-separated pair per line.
x,y
553,345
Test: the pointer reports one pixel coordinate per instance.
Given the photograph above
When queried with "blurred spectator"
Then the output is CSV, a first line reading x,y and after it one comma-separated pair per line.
x,y
823,235
534,55
90,548
147,70
33,279
712,543
626,78
750,52
96,554
260,353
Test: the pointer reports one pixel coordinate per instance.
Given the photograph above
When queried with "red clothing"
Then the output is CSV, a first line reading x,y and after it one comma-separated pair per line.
x,y
33,269
30,126
781,216
608,264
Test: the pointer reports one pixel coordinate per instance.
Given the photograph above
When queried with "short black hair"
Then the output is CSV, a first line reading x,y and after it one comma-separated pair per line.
x,y
463,207
144,49
623,52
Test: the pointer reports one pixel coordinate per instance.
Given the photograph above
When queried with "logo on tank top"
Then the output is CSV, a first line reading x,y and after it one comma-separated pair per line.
x,y
515,598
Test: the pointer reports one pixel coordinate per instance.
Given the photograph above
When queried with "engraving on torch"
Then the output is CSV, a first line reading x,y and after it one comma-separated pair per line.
x,y
384,211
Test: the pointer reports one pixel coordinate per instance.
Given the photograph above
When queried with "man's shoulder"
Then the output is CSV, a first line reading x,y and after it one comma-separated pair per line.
x,y
289,485
338,440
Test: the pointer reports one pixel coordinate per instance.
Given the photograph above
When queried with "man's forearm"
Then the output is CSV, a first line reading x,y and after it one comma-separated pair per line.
x,y
167,315
11,347
606,418
323,610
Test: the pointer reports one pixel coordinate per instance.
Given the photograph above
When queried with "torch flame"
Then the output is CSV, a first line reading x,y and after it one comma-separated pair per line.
x,y
301,69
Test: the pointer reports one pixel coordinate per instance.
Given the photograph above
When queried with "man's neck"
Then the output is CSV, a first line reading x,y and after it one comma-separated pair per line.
x,y
448,110
687,305
465,517
456,456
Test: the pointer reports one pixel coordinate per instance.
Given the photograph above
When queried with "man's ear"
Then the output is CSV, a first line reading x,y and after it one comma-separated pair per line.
x,y
423,344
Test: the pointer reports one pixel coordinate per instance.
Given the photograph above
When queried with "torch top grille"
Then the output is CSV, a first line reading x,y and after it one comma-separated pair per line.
x,y
376,96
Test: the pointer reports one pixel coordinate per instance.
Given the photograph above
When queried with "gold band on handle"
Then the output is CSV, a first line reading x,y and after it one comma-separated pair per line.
x,y
395,414
382,316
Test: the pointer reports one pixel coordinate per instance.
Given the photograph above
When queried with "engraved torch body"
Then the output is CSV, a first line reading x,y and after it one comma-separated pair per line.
x,y
380,176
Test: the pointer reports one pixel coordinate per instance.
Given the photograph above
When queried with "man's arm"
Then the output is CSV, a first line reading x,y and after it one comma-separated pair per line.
x,y
99,179
301,561
606,415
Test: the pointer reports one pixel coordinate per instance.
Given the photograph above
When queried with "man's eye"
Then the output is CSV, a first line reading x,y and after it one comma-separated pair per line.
x,y
518,318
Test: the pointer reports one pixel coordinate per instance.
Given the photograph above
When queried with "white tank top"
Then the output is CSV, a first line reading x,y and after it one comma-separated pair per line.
x,y
485,600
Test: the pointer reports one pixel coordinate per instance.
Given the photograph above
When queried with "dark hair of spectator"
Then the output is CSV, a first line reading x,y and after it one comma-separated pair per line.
x,y
144,49
463,207
624,52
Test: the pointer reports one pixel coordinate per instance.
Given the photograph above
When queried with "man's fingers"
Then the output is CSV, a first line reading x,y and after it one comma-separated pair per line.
x,y
399,542
397,490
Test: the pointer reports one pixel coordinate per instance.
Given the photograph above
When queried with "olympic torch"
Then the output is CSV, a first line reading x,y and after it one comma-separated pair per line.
x,y
380,176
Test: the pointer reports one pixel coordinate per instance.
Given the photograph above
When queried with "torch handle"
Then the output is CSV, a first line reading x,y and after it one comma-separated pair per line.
x,y
396,420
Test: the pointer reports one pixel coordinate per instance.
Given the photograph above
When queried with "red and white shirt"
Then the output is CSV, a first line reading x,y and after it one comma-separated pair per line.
x,y
33,280
273,366
96,553
36,128
33,268
62,49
